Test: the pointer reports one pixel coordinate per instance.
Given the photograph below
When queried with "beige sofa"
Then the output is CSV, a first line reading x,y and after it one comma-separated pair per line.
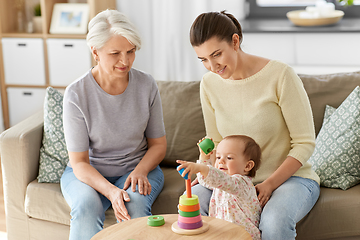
x,y
38,210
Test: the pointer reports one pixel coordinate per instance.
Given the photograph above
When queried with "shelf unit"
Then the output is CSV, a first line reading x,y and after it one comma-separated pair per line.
x,y
9,29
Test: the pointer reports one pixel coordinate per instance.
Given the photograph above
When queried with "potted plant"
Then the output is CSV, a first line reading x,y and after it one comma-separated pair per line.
x,y
37,20
346,2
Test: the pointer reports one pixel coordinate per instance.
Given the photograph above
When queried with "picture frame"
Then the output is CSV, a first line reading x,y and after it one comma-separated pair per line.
x,y
69,18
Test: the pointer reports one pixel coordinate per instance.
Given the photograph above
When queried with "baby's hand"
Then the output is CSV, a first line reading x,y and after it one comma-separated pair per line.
x,y
190,168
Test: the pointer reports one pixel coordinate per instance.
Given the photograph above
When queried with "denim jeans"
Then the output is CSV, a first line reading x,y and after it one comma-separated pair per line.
x,y
288,204
88,206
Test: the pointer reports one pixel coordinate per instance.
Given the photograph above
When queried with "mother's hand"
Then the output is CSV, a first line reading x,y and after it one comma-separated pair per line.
x,y
264,191
117,199
140,179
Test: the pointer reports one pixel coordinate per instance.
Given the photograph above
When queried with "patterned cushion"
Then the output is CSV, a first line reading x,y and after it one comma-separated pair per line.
x,y
53,153
336,157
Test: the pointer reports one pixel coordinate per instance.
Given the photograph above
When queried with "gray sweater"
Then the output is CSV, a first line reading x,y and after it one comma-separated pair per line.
x,y
113,128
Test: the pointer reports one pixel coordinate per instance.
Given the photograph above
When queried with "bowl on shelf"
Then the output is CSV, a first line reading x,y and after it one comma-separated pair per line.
x,y
295,18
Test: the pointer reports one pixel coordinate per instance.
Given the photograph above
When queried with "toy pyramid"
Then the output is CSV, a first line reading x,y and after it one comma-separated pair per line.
x,y
189,219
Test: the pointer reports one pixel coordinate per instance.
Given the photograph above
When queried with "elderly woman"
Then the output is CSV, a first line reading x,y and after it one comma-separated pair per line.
x,y
114,132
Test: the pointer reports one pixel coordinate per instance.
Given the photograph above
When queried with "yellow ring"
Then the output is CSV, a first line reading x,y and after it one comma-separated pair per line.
x,y
189,201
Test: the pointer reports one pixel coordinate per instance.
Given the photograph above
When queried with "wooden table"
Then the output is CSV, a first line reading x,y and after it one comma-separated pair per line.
x,y
138,229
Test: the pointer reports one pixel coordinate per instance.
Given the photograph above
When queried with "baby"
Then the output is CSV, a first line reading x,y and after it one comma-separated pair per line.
x,y
234,197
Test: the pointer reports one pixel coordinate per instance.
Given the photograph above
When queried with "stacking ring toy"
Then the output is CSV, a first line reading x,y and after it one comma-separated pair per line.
x,y
190,225
156,221
184,200
207,145
186,175
189,208
189,219
189,214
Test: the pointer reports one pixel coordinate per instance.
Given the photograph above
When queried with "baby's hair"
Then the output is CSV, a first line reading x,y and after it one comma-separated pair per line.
x,y
252,150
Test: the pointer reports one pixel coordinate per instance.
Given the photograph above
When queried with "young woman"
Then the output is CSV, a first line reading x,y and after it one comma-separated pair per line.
x,y
249,95
114,132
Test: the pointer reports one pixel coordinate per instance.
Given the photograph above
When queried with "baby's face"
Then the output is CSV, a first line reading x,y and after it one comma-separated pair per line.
x,y
230,157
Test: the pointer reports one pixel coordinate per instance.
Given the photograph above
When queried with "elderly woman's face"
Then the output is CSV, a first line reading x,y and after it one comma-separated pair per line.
x,y
117,56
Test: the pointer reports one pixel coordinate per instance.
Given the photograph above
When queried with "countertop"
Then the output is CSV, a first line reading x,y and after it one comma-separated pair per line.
x,y
285,26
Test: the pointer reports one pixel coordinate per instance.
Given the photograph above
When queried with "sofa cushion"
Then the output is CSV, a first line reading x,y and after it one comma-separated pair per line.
x,y
336,156
174,187
334,216
184,123
45,201
330,89
53,153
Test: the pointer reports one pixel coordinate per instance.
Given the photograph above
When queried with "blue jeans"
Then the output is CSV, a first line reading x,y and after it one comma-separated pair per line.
x,y
88,206
288,204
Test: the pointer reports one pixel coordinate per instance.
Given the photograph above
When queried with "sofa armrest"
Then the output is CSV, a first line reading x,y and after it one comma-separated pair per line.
x,y
19,149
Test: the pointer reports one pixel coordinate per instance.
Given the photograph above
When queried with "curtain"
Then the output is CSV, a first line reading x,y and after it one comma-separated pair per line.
x,y
164,26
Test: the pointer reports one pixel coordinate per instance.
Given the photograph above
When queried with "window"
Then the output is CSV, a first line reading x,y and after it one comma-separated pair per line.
x,y
281,3
269,3
279,8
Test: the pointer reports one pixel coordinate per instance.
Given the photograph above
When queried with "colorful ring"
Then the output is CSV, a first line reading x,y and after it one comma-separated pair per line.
x,y
189,214
189,208
207,145
189,219
155,221
189,201
181,172
190,225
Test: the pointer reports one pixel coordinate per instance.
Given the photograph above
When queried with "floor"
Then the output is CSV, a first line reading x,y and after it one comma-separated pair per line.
x,y
2,211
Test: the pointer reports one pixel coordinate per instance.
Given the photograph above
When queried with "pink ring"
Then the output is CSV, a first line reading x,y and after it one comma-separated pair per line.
x,y
190,225
189,219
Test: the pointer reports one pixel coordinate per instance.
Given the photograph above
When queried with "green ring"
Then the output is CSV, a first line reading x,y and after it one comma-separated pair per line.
x,y
156,221
207,145
189,214
184,200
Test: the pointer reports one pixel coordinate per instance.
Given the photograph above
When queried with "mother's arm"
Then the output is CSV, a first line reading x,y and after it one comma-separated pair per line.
x,y
296,110
154,155
89,175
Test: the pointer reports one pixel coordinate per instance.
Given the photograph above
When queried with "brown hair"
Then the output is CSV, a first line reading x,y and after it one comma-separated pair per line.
x,y
252,151
214,24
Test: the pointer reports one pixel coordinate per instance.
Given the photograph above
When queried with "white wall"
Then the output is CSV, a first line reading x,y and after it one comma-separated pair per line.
x,y
164,27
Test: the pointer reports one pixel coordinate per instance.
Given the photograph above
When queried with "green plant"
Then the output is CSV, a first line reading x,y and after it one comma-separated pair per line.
x,y
346,2
37,10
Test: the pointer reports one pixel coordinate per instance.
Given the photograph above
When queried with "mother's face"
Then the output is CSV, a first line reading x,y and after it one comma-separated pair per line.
x,y
219,57
116,57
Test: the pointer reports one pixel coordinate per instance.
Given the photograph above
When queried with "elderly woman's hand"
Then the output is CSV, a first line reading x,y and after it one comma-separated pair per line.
x,y
138,178
117,198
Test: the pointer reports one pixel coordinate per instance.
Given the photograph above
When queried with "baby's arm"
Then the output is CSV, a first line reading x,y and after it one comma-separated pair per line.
x,y
233,184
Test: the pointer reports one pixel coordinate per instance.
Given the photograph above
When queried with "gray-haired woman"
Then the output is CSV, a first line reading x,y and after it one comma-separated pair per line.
x,y
114,132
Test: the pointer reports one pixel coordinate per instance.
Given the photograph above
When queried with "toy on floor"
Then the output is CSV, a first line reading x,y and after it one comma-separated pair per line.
x,y
189,219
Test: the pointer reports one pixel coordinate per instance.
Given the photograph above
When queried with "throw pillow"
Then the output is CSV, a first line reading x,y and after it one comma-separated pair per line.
x,y
336,158
53,153
183,119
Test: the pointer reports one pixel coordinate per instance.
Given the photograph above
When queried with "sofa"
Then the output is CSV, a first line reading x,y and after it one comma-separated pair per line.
x,y
38,210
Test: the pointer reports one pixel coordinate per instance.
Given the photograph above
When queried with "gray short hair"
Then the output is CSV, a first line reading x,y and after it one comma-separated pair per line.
x,y
109,23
